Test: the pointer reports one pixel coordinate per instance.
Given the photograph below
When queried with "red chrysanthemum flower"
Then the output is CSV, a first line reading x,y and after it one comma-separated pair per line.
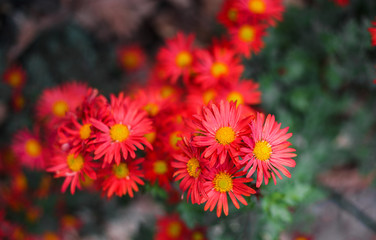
x,y
247,38
228,14
122,179
198,233
222,66
158,168
177,57
244,92
372,31
265,11
219,129
14,76
73,168
188,170
55,102
123,133
197,97
170,228
76,134
131,58
224,180
28,149
342,3
267,150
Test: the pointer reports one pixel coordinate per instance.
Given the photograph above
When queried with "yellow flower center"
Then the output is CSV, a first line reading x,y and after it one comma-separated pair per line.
x,y
119,132
262,150
174,139
152,109
160,167
121,170
75,164
33,148
301,238
59,108
235,96
130,60
167,91
85,131
219,69
174,229
183,59
222,182
232,14
247,33
257,6
15,79
193,167
208,96
198,236
225,135
150,137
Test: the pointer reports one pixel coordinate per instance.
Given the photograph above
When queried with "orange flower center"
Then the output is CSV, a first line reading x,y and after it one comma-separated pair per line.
x,y
225,135
232,14
256,6
150,137
121,170
59,108
15,79
219,69
208,96
235,96
247,33
174,139
160,167
193,167
33,148
50,236
85,131
119,132
197,236
183,59
301,238
222,182
167,91
152,109
131,60
174,229
75,163
262,150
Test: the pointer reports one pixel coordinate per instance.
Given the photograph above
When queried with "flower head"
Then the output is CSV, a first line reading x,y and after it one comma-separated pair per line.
x,y
267,150
219,130
247,38
122,179
177,57
229,14
372,31
170,228
123,133
131,58
265,11
222,181
15,76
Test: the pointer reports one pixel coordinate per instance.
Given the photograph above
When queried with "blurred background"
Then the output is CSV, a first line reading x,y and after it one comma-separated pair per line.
x,y
316,73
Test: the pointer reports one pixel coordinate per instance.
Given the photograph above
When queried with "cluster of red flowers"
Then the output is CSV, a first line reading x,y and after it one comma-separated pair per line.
x,y
207,134
15,77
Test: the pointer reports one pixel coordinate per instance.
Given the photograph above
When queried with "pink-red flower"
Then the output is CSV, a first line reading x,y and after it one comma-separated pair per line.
x,y
228,14
177,57
123,133
220,128
158,168
222,181
73,168
122,179
28,149
131,58
267,150
372,31
265,11
188,169
247,38
244,92
220,67
171,228
15,76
